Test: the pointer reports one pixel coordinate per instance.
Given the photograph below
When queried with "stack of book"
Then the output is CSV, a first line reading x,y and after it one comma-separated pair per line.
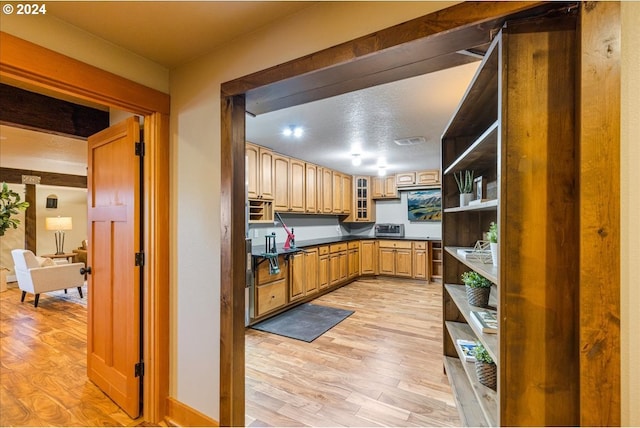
x,y
466,348
486,321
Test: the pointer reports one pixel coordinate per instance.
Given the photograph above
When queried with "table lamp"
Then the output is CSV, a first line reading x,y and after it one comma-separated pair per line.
x,y
59,225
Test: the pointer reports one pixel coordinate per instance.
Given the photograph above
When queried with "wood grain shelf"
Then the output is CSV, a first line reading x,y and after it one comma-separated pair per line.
x,y
480,154
487,270
486,397
482,206
490,341
471,414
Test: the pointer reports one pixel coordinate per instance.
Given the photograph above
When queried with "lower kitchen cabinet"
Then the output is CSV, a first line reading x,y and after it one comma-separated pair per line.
x,y
323,267
395,258
420,260
311,272
368,257
271,290
353,254
338,264
296,276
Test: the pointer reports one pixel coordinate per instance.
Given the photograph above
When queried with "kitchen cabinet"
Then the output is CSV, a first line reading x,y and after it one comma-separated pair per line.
x,y
428,178
297,174
311,272
327,191
323,267
270,290
338,264
420,260
353,254
296,276
363,207
406,179
337,192
347,193
311,186
395,258
259,172
281,183
435,256
384,187
368,257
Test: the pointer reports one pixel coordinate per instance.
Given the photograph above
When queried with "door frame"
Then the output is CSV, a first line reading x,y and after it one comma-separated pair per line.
x,y
36,67
313,77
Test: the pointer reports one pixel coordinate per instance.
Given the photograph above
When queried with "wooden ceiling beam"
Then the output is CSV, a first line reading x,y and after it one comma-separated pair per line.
x,y
12,175
25,109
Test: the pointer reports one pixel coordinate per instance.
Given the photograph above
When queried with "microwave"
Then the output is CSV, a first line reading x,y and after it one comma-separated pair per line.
x,y
389,230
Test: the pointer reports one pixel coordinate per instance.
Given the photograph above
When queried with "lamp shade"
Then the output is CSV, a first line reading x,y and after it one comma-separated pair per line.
x,y
58,223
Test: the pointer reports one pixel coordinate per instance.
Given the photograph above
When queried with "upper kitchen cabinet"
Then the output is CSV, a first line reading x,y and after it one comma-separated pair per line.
x,y
406,179
259,172
281,182
428,178
327,191
385,187
337,192
297,174
363,209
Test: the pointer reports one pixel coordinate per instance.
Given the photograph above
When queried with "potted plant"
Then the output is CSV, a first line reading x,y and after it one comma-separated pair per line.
x,y
486,369
493,242
464,180
10,205
478,288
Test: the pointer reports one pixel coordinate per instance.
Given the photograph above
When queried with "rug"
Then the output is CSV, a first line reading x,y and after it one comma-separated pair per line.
x,y
72,296
305,322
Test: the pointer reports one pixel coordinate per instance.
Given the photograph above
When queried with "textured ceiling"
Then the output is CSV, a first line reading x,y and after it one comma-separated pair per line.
x,y
371,118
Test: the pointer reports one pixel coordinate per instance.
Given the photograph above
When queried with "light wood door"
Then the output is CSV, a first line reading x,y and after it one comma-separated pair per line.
x,y
281,183
337,192
368,257
265,182
113,304
327,191
387,261
404,258
296,276
420,264
334,268
311,271
428,178
406,179
354,262
311,185
251,152
296,185
323,271
347,194
384,187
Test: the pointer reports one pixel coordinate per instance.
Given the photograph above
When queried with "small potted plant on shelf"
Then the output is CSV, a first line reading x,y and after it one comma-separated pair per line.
x,y
493,242
486,369
464,180
478,288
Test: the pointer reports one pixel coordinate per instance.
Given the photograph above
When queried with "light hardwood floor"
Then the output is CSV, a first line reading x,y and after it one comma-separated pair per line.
x,y
382,366
43,366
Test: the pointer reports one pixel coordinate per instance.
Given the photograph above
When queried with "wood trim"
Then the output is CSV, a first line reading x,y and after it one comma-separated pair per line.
x,y
13,175
232,205
30,215
42,68
599,177
36,65
156,287
181,415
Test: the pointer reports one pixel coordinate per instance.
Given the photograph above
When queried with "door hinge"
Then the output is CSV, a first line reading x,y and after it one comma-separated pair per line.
x,y
139,259
139,149
139,369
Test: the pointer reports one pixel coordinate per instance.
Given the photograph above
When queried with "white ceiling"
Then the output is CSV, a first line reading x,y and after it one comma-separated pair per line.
x,y
374,117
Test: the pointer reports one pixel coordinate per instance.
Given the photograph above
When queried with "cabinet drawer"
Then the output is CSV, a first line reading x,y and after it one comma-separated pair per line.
x,y
262,272
271,297
323,251
352,245
420,245
336,248
394,244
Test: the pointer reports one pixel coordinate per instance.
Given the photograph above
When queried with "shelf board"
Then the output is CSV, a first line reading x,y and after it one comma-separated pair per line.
x,y
459,296
471,414
481,154
487,270
482,206
486,397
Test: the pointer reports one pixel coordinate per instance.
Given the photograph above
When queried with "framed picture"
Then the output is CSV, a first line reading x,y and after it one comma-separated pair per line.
x,y
424,205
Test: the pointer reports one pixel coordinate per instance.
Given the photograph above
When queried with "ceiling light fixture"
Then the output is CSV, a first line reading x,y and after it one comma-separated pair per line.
x,y
290,130
356,159
382,171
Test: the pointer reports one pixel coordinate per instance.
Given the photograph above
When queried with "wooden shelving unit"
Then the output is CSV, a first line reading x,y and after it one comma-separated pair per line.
x,y
436,261
260,211
515,127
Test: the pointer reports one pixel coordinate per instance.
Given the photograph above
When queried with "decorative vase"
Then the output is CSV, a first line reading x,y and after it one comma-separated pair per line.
x,y
465,198
487,374
494,253
478,296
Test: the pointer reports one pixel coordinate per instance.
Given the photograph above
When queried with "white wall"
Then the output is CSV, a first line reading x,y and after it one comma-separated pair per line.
x,y
72,202
12,238
630,217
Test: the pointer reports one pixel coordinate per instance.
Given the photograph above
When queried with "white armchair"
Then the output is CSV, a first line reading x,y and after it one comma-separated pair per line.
x,y
34,278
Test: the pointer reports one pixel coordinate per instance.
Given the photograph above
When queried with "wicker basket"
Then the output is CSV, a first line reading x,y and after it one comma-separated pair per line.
x,y
487,374
478,296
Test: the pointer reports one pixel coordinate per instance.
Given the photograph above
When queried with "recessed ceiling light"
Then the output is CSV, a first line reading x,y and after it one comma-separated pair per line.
x,y
382,171
296,131
356,159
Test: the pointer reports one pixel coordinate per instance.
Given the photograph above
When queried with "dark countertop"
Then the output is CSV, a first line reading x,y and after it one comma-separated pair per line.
x,y
258,250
